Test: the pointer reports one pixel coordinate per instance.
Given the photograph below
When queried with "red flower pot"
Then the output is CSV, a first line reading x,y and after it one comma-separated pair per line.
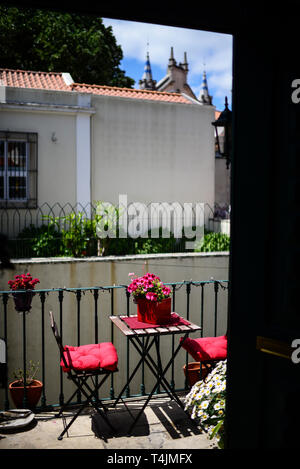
x,y
154,312
33,393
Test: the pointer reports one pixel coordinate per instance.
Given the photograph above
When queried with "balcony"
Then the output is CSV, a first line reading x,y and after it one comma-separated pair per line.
x,y
82,315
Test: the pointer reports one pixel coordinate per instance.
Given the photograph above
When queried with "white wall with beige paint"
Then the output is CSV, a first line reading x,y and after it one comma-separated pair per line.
x,y
152,151
222,182
29,111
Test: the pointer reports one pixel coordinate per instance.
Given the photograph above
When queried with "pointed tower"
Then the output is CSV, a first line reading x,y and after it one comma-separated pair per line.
x,y
147,83
172,61
204,96
175,80
185,64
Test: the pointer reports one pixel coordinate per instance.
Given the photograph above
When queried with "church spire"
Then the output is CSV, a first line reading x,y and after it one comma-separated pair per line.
x,y
172,61
185,63
204,96
147,82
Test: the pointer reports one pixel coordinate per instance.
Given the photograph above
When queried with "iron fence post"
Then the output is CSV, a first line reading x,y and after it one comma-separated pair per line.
x,y
216,288
188,292
112,392
25,400
5,301
60,300
43,299
128,348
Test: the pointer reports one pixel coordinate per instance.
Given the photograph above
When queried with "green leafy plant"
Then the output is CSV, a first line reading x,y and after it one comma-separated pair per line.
x,y
76,234
31,372
206,402
47,243
106,226
155,246
80,234
213,242
41,241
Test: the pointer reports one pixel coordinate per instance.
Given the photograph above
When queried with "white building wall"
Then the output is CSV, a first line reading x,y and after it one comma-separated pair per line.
x,y
94,147
83,160
56,129
152,151
222,182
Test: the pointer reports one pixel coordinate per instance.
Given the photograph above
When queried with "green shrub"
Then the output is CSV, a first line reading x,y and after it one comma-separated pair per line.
x,y
76,235
41,241
213,242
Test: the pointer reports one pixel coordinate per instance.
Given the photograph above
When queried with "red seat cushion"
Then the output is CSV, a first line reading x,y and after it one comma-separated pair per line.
x,y
90,357
206,348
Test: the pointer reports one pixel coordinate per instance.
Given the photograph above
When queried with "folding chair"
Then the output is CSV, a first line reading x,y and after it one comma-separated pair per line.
x,y
207,350
81,363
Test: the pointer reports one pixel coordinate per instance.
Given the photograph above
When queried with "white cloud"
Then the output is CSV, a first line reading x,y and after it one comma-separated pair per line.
x,y
213,49
199,45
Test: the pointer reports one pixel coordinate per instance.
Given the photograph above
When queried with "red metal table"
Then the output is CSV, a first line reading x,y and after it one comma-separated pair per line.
x,y
135,331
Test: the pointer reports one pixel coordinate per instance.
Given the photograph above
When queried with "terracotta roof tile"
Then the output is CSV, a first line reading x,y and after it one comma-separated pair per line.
x,y
55,81
130,93
28,79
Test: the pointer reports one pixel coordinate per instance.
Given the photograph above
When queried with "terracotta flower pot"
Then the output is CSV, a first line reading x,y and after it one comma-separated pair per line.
x,y
193,372
23,300
33,392
154,312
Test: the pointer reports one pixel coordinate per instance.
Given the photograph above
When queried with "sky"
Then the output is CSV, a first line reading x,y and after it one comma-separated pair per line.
x,y
205,50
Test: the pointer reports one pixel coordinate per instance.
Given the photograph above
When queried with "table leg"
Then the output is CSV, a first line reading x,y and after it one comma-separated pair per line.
x,y
145,350
152,365
160,378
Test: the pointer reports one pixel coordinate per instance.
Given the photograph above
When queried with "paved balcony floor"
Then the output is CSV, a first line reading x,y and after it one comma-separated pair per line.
x,y
163,425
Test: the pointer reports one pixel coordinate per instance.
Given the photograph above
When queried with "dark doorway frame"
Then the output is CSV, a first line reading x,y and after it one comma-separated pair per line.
x,y
263,298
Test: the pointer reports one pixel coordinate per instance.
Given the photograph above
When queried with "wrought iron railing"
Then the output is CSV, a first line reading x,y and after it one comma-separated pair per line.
x,y
30,335
40,231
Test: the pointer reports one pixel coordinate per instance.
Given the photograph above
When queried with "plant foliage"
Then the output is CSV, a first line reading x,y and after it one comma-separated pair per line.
x,y
31,372
52,41
206,402
213,242
77,235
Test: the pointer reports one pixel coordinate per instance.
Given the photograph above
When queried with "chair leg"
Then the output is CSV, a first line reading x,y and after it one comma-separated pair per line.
x,y
93,392
91,398
70,423
65,405
95,404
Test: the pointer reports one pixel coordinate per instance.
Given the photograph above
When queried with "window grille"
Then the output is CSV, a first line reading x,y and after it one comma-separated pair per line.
x,y
18,169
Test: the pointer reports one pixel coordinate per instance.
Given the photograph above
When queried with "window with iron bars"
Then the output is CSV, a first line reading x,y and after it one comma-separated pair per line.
x,y
18,169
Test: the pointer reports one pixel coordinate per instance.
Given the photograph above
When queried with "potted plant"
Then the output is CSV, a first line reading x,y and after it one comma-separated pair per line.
x,y
23,286
152,297
206,402
33,386
196,371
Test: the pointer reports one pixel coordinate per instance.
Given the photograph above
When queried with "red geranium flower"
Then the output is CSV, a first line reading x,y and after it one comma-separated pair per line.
x,y
23,282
